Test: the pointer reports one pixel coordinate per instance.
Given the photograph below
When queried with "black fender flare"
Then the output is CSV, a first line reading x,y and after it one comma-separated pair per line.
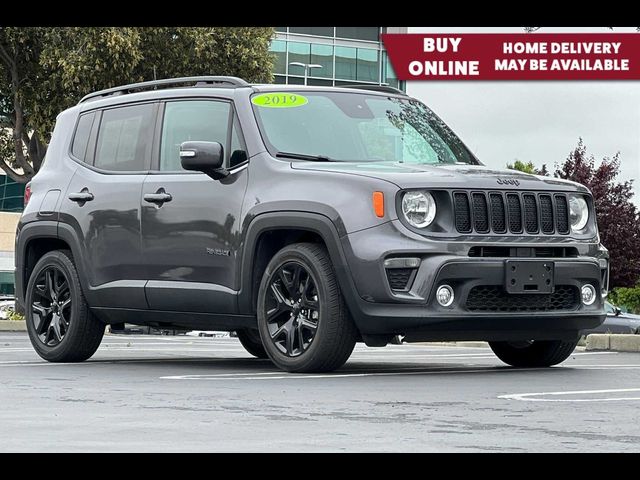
x,y
51,229
27,233
282,220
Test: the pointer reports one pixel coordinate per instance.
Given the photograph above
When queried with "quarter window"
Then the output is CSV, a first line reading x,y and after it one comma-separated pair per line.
x,y
81,137
193,120
124,138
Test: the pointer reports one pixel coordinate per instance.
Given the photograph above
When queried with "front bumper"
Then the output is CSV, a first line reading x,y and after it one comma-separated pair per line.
x,y
379,310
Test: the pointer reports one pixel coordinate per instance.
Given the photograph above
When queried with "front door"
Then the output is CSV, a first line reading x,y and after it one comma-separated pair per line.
x,y
190,240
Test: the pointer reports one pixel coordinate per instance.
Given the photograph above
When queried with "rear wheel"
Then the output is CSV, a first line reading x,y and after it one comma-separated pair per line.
x,y
250,340
60,325
534,353
302,318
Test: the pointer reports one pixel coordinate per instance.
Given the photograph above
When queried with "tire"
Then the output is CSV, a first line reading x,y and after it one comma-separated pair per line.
x,y
537,353
82,331
250,340
319,310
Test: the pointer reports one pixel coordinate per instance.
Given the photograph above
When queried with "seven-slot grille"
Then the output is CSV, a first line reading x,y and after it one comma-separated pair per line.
x,y
502,212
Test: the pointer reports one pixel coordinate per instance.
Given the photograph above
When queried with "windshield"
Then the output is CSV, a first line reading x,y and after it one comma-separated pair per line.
x,y
354,127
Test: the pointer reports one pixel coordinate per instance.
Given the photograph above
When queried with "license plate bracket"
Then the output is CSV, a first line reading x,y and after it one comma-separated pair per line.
x,y
529,276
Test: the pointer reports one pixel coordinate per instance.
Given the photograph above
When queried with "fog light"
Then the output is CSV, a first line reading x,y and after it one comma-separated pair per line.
x,y
444,295
588,294
404,262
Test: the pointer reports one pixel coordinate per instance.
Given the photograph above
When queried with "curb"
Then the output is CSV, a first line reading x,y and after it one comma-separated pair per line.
x,y
614,342
13,326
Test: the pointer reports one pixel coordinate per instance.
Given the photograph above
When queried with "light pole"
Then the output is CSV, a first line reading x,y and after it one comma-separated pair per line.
x,y
306,67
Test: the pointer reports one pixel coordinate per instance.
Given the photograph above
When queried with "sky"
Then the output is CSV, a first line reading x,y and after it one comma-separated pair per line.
x,y
539,121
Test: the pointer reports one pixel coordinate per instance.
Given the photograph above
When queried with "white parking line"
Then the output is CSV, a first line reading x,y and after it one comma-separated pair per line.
x,y
281,376
444,369
534,397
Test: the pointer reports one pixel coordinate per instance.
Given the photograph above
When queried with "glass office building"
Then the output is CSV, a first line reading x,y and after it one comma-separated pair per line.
x,y
11,195
11,203
347,55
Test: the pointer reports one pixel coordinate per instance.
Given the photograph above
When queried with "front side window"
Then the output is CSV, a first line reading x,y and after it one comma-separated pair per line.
x,y
124,138
195,120
238,152
358,127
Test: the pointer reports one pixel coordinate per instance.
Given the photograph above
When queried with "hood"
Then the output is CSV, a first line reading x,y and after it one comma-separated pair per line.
x,y
444,176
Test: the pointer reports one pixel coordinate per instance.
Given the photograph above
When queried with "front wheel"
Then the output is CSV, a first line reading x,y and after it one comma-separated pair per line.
x,y
534,353
302,318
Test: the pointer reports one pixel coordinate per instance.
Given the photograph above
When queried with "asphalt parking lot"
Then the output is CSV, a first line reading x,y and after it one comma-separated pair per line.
x,y
155,393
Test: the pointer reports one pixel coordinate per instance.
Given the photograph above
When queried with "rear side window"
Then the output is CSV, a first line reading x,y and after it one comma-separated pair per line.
x,y
81,136
124,138
192,120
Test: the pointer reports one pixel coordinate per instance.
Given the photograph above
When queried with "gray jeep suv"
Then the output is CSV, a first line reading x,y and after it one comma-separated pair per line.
x,y
306,219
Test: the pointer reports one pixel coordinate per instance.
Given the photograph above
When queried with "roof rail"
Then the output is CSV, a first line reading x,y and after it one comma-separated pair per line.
x,y
376,88
198,81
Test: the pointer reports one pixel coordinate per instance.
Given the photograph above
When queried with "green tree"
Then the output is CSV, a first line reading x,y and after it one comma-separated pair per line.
x,y
618,217
45,70
522,167
627,297
21,149
528,167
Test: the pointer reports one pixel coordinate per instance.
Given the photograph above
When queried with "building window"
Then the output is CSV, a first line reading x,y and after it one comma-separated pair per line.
x,y
317,31
346,63
322,55
368,67
11,195
298,52
279,47
348,55
388,75
320,82
359,33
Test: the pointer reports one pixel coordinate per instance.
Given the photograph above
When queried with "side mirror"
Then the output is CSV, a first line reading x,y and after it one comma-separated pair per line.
x,y
205,157
618,311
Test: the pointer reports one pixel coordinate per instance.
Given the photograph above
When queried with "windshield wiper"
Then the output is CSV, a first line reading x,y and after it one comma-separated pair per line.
x,y
302,156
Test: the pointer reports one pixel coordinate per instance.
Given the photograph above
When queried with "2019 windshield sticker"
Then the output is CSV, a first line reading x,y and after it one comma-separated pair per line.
x,y
279,100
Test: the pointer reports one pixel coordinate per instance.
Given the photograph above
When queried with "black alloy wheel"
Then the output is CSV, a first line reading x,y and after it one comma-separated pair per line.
x,y
51,306
292,309
60,323
303,321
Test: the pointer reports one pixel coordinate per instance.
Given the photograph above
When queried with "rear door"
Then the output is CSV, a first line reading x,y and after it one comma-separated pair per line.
x,y
102,202
190,242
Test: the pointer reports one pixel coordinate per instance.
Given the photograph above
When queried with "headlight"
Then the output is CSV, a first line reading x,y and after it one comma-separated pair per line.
x,y
578,212
419,208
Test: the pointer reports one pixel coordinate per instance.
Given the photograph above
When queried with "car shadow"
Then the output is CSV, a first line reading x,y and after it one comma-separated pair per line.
x,y
207,366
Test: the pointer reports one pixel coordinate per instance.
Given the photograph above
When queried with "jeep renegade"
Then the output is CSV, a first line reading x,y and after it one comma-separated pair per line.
x,y
306,219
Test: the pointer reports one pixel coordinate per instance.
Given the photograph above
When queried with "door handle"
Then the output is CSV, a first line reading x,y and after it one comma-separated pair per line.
x,y
158,198
82,196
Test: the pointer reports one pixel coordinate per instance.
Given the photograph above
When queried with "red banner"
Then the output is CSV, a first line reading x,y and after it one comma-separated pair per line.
x,y
525,56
